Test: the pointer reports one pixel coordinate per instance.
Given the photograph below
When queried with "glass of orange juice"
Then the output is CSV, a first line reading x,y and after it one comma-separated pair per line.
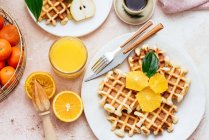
x,y
68,57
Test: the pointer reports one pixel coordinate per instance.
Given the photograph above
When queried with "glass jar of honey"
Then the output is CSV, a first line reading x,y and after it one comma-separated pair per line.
x,y
68,57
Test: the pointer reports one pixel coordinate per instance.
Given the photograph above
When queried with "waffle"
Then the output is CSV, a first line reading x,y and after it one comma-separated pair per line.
x,y
135,62
157,121
54,11
127,116
178,84
115,97
125,123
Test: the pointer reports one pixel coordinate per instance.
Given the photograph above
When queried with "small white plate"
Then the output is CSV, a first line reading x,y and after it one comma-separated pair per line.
x,y
77,29
190,111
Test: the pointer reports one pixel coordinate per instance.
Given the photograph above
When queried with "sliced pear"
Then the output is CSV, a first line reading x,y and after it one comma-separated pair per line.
x,y
82,9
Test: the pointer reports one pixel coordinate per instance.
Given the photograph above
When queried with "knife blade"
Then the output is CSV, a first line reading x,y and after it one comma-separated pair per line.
x,y
119,59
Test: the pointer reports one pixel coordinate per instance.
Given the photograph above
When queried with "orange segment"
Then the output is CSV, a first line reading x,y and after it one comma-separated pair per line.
x,y
158,83
67,106
148,99
136,80
44,79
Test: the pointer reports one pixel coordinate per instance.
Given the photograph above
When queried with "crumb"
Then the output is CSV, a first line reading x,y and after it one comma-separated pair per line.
x,y
72,137
12,121
38,126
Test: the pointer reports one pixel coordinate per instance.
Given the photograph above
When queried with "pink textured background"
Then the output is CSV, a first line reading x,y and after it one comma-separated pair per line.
x,y
18,119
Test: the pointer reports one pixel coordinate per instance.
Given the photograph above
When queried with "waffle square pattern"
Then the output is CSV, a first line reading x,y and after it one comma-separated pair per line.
x,y
157,121
115,96
122,107
54,11
124,123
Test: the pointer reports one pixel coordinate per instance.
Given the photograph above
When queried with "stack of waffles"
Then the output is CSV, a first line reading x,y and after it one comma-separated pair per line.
x,y
54,11
123,108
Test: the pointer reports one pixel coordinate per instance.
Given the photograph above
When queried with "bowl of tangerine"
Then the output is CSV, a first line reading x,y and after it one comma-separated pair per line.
x,y
12,54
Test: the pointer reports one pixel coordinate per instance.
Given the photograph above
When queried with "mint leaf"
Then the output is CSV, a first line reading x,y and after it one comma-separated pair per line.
x,y
35,7
150,64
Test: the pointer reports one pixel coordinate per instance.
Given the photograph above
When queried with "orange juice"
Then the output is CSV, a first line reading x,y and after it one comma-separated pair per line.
x,y
68,57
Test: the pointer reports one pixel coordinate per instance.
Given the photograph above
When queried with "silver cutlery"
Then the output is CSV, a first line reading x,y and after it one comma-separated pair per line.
x,y
104,60
122,55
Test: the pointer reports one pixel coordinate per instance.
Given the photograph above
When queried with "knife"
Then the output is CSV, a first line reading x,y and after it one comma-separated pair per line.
x,y
119,58
122,55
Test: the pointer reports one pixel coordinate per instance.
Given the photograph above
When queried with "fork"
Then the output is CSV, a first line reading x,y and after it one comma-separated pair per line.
x,y
104,60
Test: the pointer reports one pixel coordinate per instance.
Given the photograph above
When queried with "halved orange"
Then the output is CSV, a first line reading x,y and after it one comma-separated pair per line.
x,y
44,79
67,106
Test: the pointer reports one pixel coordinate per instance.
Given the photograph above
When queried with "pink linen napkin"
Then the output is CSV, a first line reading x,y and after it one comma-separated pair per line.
x,y
175,6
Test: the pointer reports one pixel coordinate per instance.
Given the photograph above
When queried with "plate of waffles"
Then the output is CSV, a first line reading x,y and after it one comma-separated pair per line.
x,y
113,111
56,16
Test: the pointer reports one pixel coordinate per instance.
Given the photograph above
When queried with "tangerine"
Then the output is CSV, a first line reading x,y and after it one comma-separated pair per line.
x,y
6,73
5,49
1,22
14,57
10,33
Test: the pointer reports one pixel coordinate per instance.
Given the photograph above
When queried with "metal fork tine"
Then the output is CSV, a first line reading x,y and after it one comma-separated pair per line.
x,y
98,67
102,66
97,62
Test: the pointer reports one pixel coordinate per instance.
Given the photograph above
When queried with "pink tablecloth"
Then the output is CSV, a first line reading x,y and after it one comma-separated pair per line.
x,y
176,6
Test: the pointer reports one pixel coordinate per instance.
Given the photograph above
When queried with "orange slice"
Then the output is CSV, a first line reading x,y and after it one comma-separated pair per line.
x,y
67,106
158,83
136,80
44,79
148,100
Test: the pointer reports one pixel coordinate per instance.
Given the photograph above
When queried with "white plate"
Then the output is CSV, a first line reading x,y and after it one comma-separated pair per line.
x,y
190,111
73,28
